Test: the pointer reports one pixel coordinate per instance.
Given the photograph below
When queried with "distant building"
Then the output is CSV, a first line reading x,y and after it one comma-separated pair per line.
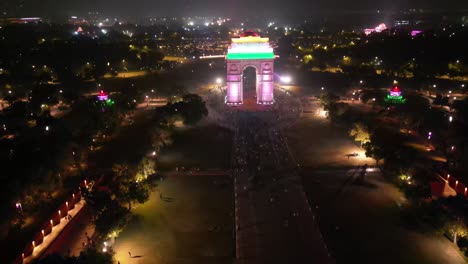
x,y
377,29
401,23
20,20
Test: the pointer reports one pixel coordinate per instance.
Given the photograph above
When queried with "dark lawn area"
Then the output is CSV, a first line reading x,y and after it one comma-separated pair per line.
x,y
204,147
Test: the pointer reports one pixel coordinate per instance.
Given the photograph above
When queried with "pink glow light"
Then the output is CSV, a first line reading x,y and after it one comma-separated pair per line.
x,y
381,27
416,32
395,91
102,96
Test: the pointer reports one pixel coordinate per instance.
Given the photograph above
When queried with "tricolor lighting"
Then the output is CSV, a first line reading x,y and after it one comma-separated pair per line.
x,y
395,91
250,47
395,97
102,96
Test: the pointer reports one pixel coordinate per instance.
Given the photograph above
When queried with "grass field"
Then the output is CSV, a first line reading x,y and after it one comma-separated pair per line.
x,y
191,223
204,147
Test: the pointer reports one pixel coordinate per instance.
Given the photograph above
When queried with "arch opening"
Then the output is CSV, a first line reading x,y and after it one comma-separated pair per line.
x,y
249,81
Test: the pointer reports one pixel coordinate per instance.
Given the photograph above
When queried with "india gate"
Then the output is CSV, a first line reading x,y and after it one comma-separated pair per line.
x,y
250,50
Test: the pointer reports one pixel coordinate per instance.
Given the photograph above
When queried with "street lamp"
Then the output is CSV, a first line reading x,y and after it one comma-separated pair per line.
x,y
285,79
19,207
219,82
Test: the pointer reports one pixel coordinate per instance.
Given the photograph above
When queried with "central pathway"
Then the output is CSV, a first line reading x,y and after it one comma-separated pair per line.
x,y
274,221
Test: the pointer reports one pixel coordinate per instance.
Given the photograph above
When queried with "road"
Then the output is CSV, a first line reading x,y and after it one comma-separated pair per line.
x,y
274,221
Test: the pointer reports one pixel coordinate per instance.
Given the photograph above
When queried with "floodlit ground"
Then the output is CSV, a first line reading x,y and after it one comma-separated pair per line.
x,y
315,142
191,223
363,221
367,222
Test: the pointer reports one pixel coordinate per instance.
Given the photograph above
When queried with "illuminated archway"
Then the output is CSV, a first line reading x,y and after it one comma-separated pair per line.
x,y
250,50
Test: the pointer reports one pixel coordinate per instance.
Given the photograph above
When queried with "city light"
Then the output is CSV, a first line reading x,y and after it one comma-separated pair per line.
x,y
394,96
381,27
102,96
219,80
285,79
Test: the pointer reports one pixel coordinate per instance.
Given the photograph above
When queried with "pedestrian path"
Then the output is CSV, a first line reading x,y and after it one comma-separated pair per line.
x,y
56,230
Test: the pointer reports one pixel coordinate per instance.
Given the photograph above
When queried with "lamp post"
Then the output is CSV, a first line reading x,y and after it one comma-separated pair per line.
x,y
19,207
219,82
285,79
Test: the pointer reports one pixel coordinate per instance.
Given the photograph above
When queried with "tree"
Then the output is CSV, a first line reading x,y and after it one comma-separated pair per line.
x,y
133,191
98,201
456,229
380,145
192,108
374,151
121,170
146,168
161,138
328,99
130,188
114,216
360,133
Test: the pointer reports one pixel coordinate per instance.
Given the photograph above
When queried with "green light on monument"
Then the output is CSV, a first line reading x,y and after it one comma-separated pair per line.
x,y
250,56
395,99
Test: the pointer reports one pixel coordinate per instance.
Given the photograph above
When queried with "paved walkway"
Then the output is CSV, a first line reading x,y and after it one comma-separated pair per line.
x,y
56,230
73,238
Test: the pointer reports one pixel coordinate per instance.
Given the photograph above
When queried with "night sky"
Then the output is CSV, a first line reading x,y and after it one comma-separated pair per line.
x,y
231,8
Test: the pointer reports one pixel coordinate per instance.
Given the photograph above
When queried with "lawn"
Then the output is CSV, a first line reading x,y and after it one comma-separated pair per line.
x,y
189,219
205,147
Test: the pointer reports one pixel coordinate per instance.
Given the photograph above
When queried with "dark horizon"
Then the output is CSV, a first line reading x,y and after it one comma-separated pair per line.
x,y
224,8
